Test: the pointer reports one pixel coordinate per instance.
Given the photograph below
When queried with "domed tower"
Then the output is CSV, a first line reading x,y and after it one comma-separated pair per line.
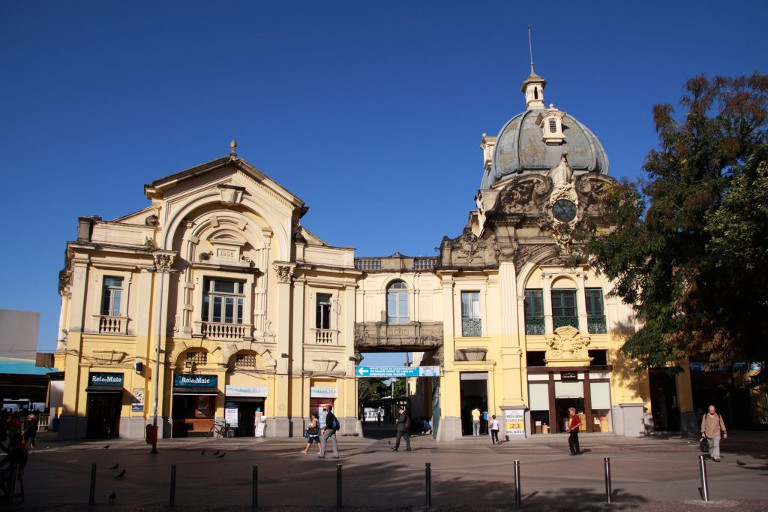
x,y
536,140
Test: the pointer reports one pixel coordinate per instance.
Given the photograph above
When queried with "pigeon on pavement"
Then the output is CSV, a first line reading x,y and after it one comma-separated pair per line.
x,y
115,466
112,497
216,452
739,463
120,474
107,446
221,456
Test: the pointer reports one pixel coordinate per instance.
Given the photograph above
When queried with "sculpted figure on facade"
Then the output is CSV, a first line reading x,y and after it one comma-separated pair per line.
x,y
567,344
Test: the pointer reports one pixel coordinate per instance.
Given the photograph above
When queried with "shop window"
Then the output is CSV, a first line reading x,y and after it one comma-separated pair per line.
x,y
111,295
196,358
245,360
323,311
600,393
471,324
397,303
223,301
599,357
534,311
564,308
535,358
595,310
538,403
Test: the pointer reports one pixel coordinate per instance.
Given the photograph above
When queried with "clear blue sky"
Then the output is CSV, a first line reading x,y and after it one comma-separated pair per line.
x,y
371,112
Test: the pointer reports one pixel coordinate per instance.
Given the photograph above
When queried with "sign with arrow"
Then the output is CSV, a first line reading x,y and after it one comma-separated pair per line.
x,y
393,372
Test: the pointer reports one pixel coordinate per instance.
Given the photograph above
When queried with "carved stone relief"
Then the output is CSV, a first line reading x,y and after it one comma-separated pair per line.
x,y
567,345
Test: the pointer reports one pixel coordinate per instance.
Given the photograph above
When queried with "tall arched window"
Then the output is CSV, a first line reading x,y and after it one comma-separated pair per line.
x,y
397,303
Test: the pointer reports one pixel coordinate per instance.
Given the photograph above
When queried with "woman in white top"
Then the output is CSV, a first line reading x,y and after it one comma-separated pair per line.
x,y
494,424
313,434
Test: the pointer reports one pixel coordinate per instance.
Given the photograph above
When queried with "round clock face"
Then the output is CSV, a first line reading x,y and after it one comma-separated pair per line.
x,y
564,210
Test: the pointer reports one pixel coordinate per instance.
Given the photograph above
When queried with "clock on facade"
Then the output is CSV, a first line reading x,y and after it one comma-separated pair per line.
x,y
564,210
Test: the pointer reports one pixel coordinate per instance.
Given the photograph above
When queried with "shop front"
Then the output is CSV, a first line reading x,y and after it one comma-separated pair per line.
x,y
244,409
320,398
105,398
194,404
552,391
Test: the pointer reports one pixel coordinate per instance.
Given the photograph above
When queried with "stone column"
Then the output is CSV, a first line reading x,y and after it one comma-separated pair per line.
x,y
511,351
546,297
280,426
296,412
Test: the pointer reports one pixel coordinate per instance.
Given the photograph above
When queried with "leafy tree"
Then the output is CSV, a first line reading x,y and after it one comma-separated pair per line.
x,y
371,389
689,243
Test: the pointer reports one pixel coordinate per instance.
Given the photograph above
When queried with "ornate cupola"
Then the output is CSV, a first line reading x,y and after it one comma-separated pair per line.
x,y
533,87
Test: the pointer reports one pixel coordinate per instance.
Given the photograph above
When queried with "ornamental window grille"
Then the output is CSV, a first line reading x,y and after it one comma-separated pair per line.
x,y
195,358
246,360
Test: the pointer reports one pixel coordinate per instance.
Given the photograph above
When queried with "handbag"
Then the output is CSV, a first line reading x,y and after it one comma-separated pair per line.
x,y
306,432
703,445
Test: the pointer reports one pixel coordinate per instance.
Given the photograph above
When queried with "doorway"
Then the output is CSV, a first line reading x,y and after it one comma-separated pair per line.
x,y
104,415
666,415
474,395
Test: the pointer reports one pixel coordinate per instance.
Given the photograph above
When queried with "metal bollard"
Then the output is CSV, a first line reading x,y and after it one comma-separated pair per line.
x,y
518,499
428,482
338,485
255,497
607,462
172,500
92,495
704,485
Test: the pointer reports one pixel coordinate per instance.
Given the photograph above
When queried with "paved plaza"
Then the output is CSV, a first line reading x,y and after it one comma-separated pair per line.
x,y
470,474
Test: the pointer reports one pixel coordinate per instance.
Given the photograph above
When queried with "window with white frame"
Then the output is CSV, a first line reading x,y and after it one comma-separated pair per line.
x,y
471,324
223,301
323,311
111,295
397,303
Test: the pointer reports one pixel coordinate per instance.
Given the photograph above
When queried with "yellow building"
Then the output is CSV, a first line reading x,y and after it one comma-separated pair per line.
x,y
258,322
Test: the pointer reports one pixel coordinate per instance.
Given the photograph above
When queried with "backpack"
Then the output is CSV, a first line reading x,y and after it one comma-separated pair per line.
x,y
335,424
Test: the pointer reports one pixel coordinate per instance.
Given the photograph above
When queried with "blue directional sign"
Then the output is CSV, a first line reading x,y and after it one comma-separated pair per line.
x,y
391,372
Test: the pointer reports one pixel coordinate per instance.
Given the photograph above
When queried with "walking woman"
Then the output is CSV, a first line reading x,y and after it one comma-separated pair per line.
x,y
313,434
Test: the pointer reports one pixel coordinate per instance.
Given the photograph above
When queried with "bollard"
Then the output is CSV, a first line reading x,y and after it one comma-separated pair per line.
x,y
92,495
338,485
255,497
704,486
172,499
428,482
607,462
518,500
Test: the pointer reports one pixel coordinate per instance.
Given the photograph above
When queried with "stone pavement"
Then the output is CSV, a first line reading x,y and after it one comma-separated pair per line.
x,y
471,474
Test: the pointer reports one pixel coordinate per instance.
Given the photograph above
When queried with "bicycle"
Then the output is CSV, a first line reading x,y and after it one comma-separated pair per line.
x,y
221,429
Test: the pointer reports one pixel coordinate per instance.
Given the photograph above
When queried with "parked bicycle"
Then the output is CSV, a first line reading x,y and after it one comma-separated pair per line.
x,y
221,429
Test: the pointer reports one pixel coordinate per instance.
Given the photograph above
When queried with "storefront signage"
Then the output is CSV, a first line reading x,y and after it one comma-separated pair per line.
x,y
323,393
398,371
257,391
137,402
105,379
195,381
569,376
515,422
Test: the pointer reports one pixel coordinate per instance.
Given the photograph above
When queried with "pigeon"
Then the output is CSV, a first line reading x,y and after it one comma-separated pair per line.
x,y
114,467
202,452
112,497
216,452
739,463
107,446
120,474
221,456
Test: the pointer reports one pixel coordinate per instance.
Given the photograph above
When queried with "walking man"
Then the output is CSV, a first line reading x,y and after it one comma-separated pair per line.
x,y
329,432
712,425
573,428
476,421
403,430
494,424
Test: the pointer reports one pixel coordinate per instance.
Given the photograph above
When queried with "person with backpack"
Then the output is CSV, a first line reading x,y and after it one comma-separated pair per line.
x,y
712,426
403,430
329,432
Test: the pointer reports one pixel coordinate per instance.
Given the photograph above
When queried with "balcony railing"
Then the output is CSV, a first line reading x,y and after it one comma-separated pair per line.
x,y
368,263
471,327
112,324
534,325
596,324
562,321
424,263
222,331
326,336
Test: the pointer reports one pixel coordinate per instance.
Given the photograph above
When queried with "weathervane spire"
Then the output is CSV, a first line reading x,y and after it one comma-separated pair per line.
x,y
530,48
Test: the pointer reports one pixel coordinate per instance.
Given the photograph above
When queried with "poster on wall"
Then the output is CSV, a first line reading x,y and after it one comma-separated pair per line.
x,y
515,422
137,402
230,414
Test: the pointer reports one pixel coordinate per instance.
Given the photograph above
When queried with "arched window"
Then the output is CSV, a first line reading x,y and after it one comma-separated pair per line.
x,y
536,93
397,303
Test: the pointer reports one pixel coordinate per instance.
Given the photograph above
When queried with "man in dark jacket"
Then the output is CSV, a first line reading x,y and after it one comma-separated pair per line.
x,y
329,432
403,427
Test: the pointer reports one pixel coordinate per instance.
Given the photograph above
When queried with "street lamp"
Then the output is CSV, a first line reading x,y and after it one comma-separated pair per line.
x,y
162,266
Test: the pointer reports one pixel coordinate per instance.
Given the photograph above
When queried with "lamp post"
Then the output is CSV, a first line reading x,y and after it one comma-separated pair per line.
x,y
162,266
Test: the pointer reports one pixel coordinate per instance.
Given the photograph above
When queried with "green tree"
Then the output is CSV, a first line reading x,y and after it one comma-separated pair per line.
x,y
371,389
689,243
